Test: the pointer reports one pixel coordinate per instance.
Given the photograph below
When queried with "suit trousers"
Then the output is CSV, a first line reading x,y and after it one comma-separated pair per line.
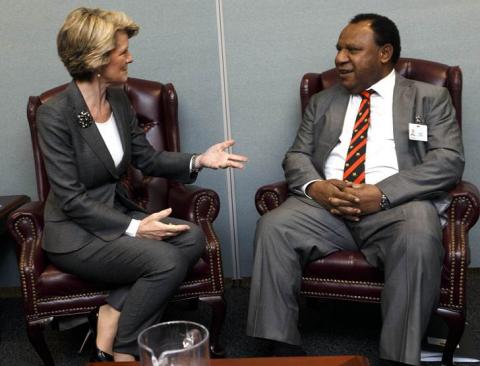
x,y
405,241
150,271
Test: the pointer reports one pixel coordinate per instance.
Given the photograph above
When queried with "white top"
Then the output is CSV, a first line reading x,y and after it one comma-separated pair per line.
x,y
109,132
111,137
381,158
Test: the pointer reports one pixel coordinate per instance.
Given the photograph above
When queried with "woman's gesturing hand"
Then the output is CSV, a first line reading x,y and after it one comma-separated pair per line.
x,y
151,226
217,158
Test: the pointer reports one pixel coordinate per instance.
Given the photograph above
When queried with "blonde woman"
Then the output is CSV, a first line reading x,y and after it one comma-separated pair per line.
x,y
89,136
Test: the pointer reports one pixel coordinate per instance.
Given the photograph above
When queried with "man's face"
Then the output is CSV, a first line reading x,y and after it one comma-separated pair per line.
x,y
360,63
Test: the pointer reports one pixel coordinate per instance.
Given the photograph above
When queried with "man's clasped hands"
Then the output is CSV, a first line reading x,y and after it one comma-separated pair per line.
x,y
346,199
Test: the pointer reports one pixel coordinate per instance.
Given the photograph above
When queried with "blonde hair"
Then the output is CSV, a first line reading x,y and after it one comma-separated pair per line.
x,y
87,37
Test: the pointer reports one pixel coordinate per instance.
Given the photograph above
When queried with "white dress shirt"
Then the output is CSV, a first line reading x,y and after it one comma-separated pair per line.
x,y
381,157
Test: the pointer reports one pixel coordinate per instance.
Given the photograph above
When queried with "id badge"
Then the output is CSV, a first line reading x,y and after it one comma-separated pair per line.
x,y
417,132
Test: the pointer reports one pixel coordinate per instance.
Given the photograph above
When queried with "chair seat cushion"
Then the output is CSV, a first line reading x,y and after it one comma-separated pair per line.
x,y
344,265
199,282
55,283
347,275
343,275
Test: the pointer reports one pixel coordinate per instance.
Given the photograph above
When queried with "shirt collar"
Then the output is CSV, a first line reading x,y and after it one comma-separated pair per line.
x,y
384,87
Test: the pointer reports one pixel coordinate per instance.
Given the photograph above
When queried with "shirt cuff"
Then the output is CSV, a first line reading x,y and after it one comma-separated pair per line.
x,y
305,186
132,228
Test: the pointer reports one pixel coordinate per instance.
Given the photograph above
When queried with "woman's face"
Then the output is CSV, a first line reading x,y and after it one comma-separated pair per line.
x,y
117,70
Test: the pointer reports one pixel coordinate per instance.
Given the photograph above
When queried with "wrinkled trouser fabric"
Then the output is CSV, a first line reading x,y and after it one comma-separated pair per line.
x,y
404,241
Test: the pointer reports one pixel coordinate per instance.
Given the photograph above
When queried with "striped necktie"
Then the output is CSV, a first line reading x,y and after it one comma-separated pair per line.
x,y
354,170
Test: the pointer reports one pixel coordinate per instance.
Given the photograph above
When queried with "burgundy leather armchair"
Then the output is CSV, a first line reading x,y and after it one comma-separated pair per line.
x,y
346,275
49,293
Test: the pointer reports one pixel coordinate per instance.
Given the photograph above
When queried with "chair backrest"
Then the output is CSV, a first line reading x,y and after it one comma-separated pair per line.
x,y
156,107
422,70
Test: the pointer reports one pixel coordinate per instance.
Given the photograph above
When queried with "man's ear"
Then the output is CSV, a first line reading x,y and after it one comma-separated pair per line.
x,y
386,53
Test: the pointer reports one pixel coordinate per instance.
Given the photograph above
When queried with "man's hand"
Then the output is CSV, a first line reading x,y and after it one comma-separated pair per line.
x,y
369,197
331,195
152,228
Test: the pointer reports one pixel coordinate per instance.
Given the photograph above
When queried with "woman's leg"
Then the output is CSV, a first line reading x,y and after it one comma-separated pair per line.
x,y
154,268
107,325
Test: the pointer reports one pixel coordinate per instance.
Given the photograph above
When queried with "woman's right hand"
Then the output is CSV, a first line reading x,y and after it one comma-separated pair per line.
x,y
151,226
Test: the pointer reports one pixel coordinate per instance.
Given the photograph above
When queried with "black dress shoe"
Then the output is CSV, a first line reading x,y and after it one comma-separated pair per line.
x,y
280,349
100,356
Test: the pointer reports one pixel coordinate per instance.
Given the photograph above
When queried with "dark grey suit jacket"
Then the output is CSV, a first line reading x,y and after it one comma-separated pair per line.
x,y
426,169
86,200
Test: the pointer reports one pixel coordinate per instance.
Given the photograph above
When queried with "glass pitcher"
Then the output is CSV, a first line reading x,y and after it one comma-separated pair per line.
x,y
175,343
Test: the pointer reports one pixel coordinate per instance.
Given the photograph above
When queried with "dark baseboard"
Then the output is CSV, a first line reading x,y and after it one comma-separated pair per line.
x,y
10,292
474,270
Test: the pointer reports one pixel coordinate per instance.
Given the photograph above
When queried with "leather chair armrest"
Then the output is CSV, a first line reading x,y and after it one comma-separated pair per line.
x,y
212,255
270,196
462,215
465,205
201,206
25,225
193,203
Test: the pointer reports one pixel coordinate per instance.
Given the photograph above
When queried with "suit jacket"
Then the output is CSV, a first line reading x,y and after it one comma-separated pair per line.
x,y
427,170
86,200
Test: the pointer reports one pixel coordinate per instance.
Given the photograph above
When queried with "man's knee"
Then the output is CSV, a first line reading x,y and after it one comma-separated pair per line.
x,y
269,229
273,222
424,231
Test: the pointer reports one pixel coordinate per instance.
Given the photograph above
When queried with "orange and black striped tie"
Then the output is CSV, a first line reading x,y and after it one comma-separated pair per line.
x,y
354,170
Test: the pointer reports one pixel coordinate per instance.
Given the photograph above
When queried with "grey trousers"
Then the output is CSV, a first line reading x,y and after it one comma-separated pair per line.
x,y
149,271
405,241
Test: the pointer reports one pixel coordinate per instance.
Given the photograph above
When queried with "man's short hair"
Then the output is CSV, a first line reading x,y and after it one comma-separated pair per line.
x,y
385,31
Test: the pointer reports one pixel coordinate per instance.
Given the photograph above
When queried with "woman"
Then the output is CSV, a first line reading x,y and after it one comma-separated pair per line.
x,y
89,136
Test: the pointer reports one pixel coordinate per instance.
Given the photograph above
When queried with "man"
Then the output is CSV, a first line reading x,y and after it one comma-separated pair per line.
x,y
369,170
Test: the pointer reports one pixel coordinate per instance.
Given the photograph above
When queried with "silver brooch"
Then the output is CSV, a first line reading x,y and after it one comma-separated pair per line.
x,y
84,119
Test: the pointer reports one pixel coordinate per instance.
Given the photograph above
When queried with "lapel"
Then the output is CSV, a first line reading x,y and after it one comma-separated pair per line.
x,y
335,115
329,124
117,105
91,135
403,111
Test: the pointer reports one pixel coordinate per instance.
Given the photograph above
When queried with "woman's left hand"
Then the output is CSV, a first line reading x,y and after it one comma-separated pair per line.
x,y
217,158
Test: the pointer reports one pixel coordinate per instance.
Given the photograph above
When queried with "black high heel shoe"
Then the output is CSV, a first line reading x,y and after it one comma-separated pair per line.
x,y
100,356
97,355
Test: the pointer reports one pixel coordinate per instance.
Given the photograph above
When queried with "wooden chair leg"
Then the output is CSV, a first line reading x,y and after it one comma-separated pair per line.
x,y
219,306
35,335
456,325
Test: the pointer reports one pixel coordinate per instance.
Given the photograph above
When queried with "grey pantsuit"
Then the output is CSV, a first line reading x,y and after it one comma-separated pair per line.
x,y
405,240
88,211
